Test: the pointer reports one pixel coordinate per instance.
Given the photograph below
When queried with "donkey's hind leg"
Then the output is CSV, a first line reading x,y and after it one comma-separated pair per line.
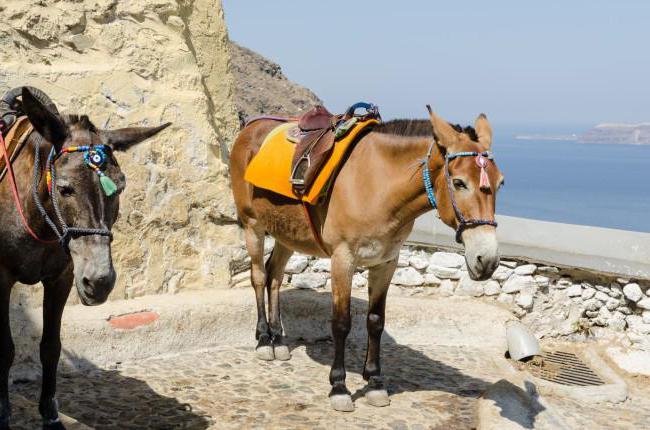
x,y
255,246
275,274
378,282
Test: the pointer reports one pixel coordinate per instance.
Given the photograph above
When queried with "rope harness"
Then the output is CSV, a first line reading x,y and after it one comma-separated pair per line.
x,y
482,162
94,157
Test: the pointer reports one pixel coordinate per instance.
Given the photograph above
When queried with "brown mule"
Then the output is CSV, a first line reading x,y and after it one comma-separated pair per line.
x,y
370,211
76,247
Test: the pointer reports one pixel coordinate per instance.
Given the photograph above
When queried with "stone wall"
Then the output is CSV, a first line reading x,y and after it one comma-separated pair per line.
x,y
142,62
553,302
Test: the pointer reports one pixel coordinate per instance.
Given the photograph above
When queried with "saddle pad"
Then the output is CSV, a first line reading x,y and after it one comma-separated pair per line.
x,y
14,141
270,168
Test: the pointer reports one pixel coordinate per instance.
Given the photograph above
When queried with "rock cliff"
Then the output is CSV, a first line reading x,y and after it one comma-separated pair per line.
x,y
142,62
262,88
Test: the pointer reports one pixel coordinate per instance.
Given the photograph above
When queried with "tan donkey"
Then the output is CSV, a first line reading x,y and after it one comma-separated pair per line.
x,y
392,175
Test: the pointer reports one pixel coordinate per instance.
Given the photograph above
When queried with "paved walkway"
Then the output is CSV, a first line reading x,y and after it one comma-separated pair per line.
x,y
229,388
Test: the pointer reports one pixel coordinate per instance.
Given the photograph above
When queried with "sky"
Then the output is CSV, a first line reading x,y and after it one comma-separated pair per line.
x,y
522,63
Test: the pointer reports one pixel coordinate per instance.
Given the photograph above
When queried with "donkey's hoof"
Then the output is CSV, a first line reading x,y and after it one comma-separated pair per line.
x,y
378,398
342,402
281,352
265,353
53,425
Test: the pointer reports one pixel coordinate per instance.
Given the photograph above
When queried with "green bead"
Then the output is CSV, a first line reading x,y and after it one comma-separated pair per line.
x,y
108,185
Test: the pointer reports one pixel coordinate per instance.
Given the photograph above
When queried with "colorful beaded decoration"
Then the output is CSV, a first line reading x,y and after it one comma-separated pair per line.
x,y
94,157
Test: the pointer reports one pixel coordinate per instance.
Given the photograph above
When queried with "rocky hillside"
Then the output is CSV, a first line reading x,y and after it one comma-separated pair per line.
x,y
262,88
630,134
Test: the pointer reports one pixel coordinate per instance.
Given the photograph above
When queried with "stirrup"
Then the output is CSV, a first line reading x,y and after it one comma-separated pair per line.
x,y
297,182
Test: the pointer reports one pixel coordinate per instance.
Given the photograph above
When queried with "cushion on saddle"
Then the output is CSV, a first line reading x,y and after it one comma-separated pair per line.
x,y
316,119
270,168
14,140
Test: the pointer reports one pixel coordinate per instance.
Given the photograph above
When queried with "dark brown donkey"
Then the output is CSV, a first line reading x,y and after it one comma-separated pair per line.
x,y
370,211
82,208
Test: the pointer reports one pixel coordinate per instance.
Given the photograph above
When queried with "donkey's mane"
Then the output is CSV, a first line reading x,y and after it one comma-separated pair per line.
x,y
418,127
81,121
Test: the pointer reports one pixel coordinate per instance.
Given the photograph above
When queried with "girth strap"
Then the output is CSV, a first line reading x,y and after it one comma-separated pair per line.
x,y
314,230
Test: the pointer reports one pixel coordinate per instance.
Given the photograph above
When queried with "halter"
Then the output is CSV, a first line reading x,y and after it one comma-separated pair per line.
x,y
95,158
481,162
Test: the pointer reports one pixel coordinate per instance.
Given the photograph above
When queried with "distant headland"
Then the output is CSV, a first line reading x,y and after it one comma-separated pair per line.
x,y
606,133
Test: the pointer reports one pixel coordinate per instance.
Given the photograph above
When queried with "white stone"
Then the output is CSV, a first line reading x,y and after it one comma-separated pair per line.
x,y
615,290
431,279
632,292
542,281
321,265
600,288
419,260
574,290
447,259
588,293
526,269
516,283
623,281
510,264
408,277
636,324
404,255
636,362
358,281
525,300
612,303
468,287
502,273
309,280
563,283
297,264
601,296
505,298
592,304
645,316
446,288
644,304
492,288
444,272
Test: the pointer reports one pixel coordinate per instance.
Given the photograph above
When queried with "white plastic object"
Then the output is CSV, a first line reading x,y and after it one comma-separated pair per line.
x,y
521,343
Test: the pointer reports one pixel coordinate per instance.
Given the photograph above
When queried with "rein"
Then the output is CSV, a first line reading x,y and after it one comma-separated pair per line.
x,y
481,161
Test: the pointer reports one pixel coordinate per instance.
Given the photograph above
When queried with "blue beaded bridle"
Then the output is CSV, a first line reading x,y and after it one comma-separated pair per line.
x,y
463,223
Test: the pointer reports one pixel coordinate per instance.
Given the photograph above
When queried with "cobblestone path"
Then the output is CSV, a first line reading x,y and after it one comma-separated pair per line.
x,y
231,389
431,388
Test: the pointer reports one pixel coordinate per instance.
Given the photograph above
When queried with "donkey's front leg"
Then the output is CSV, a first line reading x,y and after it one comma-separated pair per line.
x,y
55,297
378,282
342,271
6,350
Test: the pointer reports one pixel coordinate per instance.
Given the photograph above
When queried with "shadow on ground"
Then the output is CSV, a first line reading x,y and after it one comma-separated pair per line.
x,y
406,368
98,398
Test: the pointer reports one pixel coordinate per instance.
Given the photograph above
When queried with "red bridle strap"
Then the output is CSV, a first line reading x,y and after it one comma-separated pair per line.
x,y
16,195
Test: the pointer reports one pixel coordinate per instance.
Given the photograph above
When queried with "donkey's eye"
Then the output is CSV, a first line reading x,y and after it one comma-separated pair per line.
x,y
459,184
66,190
501,184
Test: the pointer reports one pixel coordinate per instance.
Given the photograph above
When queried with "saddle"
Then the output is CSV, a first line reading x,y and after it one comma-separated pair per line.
x,y
315,135
300,157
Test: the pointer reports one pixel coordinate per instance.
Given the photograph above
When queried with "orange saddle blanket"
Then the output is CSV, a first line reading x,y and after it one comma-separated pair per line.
x,y
270,168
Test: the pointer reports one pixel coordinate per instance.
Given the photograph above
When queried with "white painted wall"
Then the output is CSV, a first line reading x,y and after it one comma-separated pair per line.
x,y
619,252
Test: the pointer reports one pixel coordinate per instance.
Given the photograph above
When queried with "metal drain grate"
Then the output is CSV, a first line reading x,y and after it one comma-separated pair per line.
x,y
563,368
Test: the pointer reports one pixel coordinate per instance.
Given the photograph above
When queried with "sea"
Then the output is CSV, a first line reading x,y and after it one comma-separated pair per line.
x,y
565,181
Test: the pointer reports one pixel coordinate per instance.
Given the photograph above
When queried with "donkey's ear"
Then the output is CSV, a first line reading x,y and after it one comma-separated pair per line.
x,y
124,138
46,123
444,133
483,131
